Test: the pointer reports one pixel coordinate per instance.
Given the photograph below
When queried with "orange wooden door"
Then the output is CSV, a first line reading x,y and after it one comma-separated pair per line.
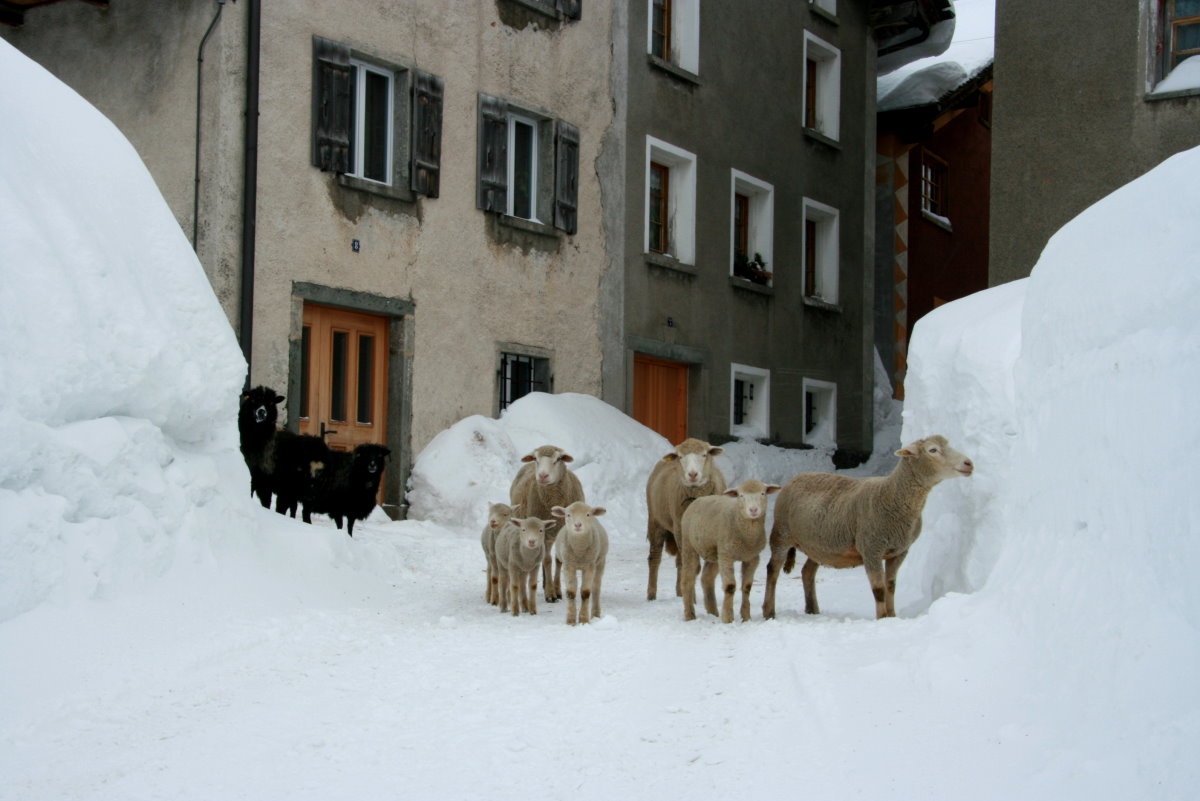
x,y
344,376
660,396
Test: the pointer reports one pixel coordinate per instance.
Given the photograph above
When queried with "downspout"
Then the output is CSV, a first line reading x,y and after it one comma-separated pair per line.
x,y
199,84
250,180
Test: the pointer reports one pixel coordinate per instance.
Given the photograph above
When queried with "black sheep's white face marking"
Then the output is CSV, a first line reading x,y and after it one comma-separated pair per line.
x,y
260,414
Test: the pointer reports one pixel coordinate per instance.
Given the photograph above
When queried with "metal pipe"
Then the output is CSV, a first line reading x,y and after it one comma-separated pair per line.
x,y
250,180
199,85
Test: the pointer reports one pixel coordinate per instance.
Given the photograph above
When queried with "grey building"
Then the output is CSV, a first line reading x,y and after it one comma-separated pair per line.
x,y
1082,107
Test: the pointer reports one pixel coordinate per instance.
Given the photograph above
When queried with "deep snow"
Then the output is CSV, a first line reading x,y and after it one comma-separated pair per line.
x,y
162,636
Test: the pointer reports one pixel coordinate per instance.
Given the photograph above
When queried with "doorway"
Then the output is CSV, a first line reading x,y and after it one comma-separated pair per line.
x,y
660,396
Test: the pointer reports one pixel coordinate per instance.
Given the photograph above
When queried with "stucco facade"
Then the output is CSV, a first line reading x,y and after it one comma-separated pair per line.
x,y
1075,116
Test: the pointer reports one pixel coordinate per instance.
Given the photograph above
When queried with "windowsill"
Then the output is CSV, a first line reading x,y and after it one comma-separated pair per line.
x,y
823,14
674,70
670,263
817,136
376,188
824,305
1155,95
938,220
750,286
528,226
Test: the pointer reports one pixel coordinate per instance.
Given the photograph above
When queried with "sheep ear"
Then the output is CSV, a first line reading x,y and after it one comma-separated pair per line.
x,y
548,523
598,510
905,453
730,493
772,489
516,521
529,457
566,457
516,508
279,399
670,457
715,451
558,511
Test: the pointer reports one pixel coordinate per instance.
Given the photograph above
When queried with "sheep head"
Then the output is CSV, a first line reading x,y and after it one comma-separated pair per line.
x,y
751,496
259,404
934,459
577,517
549,464
531,531
695,458
499,514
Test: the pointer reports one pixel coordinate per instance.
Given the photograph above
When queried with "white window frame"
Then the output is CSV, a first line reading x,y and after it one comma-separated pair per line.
x,y
829,85
825,399
360,111
758,414
514,119
828,6
828,247
685,34
681,199
761,233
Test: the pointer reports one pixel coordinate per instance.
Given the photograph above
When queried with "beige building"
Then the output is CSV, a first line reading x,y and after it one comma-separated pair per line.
x,y
396,203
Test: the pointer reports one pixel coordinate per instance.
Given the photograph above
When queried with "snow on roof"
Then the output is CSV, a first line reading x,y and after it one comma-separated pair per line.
x,y
929,79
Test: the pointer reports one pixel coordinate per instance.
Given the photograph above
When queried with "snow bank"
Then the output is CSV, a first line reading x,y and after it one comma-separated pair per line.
x,y
1184,78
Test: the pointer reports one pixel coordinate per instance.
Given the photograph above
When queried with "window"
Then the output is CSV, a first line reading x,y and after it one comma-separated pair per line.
x,y
820,412
520,374
821,251
822,87
528,165
377,124
1181,32
677,168
752,229
750,402
933,184
673,33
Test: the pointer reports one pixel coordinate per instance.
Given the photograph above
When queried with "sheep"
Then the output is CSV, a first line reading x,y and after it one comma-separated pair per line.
x,y
520,549
581,547
723,529
542,483
498,516
846,522
257,416
299,461
683,475
347,486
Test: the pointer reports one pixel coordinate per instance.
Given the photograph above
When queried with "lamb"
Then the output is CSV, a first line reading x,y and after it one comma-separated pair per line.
x,y
520,549
541,484
845,522
723,529
498,516
581,547
683,475
257,417
348,484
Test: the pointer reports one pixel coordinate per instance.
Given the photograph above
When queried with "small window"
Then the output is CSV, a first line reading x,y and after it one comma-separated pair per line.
x,y
673,33
933,184
1181,32
828,6
822,87
821,251
752,228
522,167
677,167
820,412
521,374
750,402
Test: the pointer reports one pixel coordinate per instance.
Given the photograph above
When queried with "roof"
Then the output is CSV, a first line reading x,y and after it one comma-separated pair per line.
x,y
936,80
12,12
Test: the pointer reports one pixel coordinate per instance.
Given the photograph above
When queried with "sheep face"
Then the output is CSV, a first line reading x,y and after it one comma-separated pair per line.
x,y
531,532
695,458
499,514
550,462
934,457
371,459
577,518
259,405
751,496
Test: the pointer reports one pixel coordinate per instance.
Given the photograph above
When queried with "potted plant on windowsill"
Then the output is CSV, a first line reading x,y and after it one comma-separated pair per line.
x,y
753,270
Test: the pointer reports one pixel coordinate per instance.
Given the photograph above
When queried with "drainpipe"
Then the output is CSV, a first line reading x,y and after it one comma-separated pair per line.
x,y
199,84
250,180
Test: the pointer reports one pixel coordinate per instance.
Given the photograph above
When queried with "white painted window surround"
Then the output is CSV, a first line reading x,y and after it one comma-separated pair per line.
x,y
755,385
762,217
829,84
681,199
828,6
364,107
827,248
820,412
685,33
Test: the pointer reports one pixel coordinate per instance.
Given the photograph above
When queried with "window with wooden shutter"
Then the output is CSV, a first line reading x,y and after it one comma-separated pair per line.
x,y
331,105
427,133
566,177
493,154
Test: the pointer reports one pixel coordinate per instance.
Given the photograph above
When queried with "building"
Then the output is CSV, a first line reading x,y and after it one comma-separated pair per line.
x,y
1085,102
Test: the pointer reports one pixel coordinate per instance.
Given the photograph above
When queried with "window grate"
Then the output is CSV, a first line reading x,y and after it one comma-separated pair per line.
x,y
519,376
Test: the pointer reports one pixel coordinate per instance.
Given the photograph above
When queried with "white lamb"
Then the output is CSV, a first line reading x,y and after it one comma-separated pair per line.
x,y
582,547
498,516
520,548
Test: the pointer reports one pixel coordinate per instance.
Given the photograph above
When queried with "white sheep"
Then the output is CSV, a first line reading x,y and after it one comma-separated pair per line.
x,y
723,529
684,474
846,522
542,483
520,548
582,547
498,516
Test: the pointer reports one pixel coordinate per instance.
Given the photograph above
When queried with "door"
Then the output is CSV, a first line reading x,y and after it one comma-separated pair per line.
x,y
343,376
660,396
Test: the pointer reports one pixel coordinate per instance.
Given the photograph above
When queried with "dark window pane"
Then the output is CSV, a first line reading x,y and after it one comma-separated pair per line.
x,y
337,389
522,177
660,40
810,412
739,401
375,127
366,378
810,258
305,356
1187,37
1187,8
520,375
810,93
659,181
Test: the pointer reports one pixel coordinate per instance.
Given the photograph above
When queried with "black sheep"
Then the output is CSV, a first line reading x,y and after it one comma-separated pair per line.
x,y
347,487
257,416
299,460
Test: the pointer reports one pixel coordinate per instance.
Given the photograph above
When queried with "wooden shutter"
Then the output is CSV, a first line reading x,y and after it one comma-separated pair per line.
x,y
566,177
571,9
493,154
427,133
331,105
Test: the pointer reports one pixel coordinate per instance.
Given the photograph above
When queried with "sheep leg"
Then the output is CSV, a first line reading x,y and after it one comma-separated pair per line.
x,y
690,566
774,564
875,575
548,577
557,578
585,593
515,585
572,588
596,581
748,568
532,602
890,571
729,585
654,561
502,588
708,577
809,574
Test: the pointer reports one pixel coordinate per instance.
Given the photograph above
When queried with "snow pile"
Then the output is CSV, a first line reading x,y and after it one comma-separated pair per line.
x,y
927,80
1184,78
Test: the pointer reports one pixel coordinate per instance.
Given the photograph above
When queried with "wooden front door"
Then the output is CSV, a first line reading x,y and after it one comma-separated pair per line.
x,y
343,376
660,396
